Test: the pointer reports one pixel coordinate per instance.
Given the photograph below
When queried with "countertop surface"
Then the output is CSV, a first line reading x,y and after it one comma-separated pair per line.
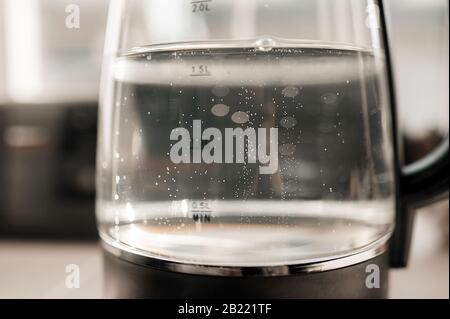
x,y
38,270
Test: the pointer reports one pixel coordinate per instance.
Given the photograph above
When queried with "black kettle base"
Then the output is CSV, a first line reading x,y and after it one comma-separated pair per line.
x,y
125,279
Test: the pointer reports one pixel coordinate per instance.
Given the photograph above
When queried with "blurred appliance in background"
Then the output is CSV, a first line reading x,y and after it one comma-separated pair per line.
x,y
2,102
2,54
48,116
422,81
424,114
421,57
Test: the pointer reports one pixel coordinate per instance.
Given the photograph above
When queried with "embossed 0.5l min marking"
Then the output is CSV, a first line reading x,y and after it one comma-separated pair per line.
x,y
201,211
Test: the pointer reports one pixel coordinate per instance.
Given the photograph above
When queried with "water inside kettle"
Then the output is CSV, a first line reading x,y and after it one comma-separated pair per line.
x,y
320,188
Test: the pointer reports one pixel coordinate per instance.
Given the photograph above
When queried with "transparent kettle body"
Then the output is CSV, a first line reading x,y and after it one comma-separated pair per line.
x,y
245,133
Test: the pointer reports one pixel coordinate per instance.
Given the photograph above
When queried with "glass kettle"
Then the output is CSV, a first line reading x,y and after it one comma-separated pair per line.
x,y
253,139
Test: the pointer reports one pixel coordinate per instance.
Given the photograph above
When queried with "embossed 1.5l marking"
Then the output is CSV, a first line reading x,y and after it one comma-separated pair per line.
x,y
200,5
200,70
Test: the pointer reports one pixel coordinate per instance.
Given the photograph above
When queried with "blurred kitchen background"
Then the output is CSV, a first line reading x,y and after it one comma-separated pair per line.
x,y
49,78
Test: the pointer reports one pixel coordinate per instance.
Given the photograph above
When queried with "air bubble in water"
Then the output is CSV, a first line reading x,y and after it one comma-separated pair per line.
x,y
220,91
287,149
265,44
240,117
288,122
290,91
330,98
220,110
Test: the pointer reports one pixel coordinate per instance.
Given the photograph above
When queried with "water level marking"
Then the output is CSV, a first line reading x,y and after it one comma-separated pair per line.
x,y
200,5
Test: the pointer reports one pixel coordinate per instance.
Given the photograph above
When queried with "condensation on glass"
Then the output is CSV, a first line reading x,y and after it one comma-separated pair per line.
x,y
245,133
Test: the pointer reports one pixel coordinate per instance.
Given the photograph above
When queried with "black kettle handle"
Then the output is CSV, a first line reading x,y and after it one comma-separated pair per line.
x,y
418,184
427,180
